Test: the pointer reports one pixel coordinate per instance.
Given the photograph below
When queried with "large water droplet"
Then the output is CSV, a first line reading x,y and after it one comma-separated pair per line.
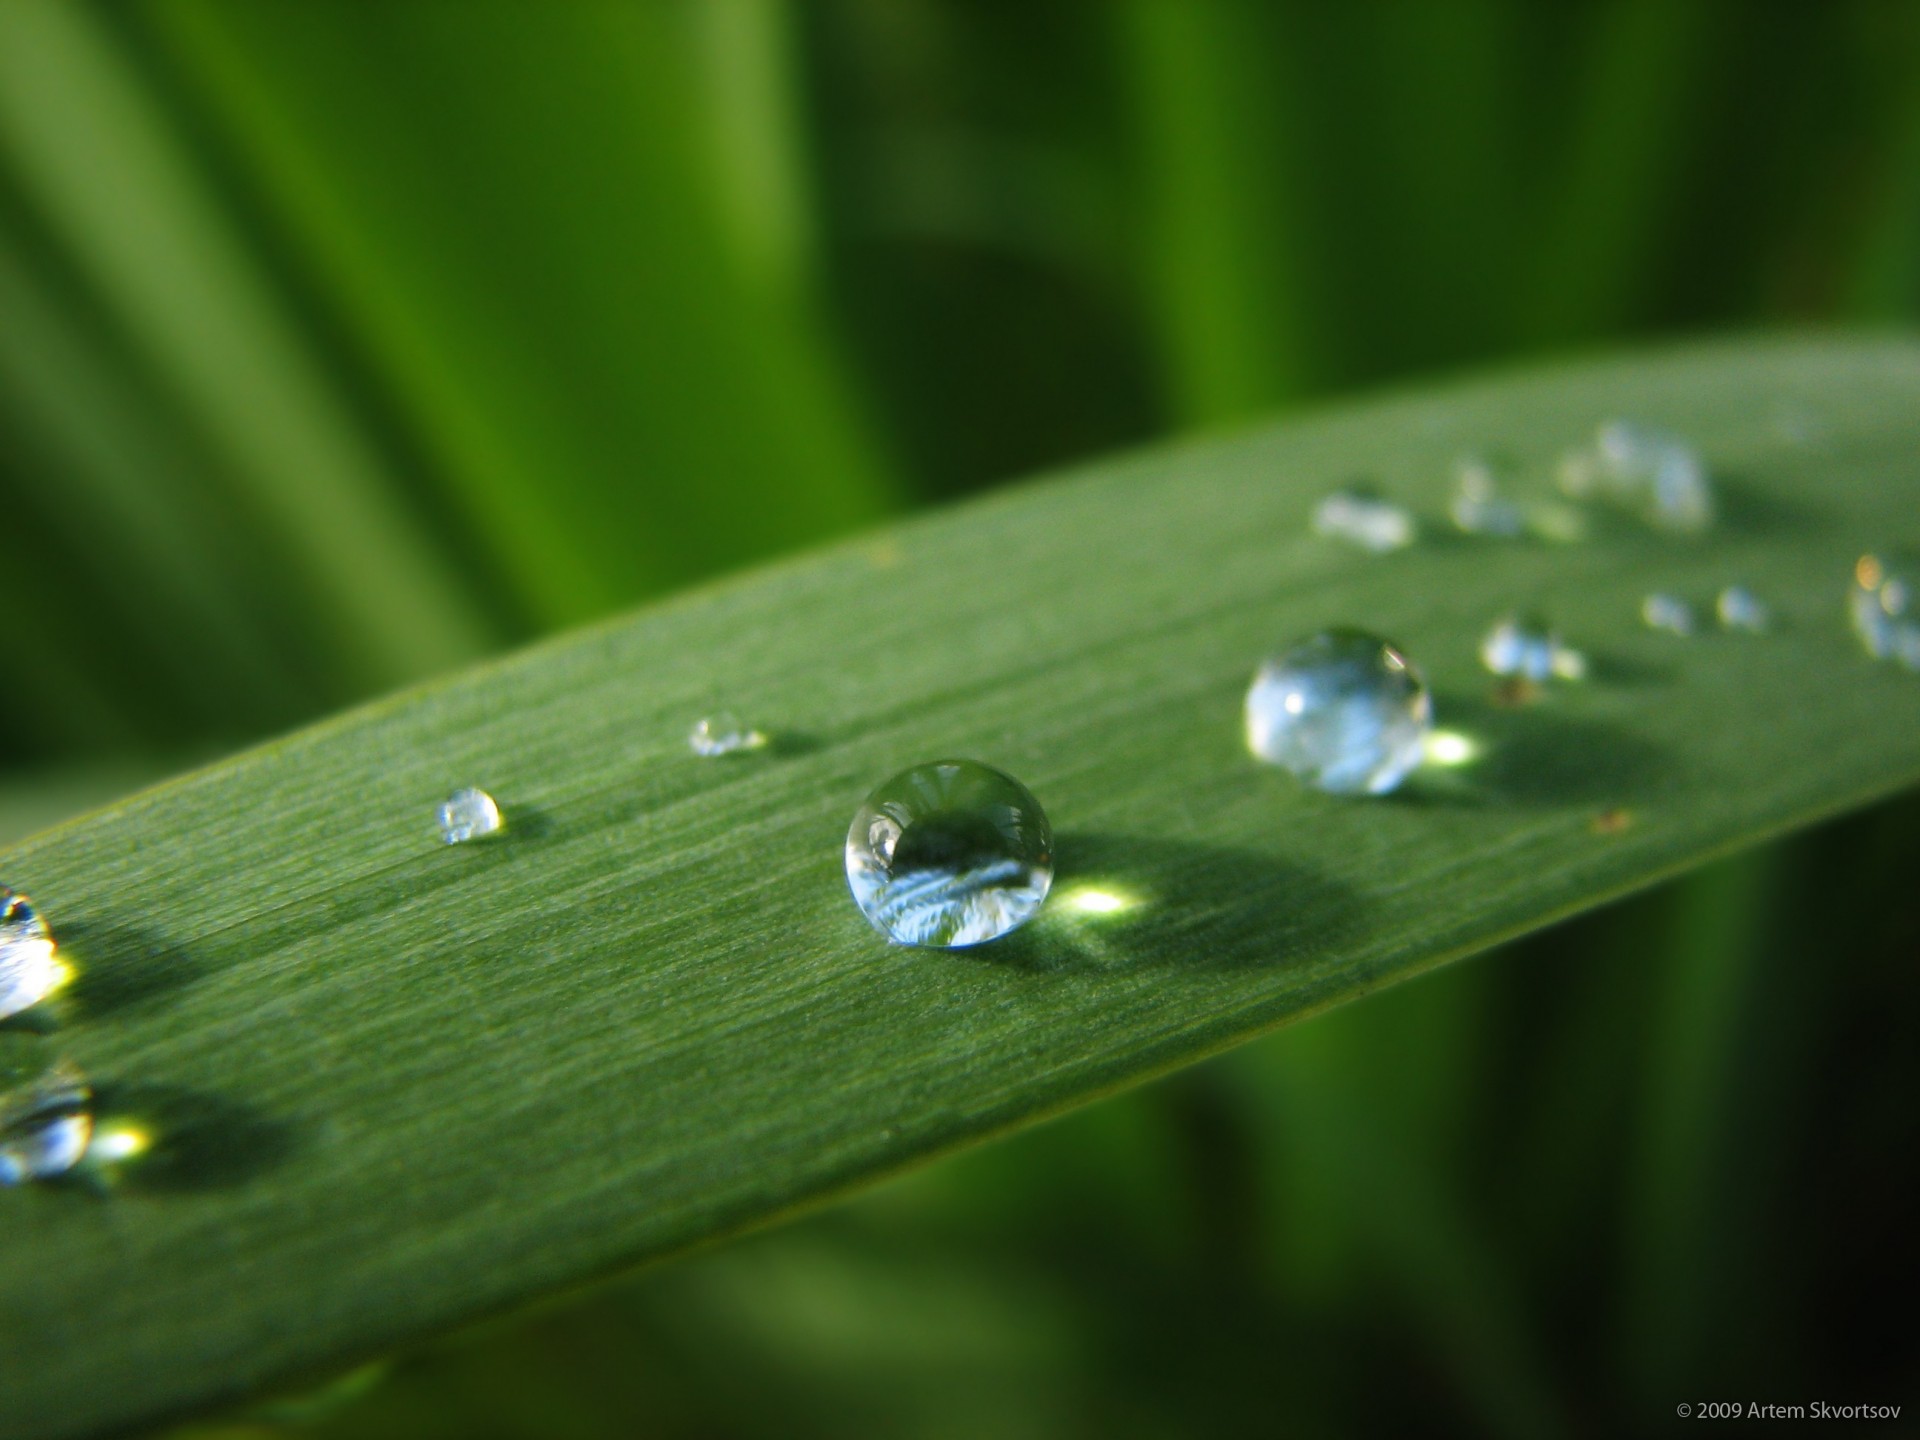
x,y
468,814
46,1113
1344,711
1527,650
1653,472
724,734
949,853
1362,518
28,970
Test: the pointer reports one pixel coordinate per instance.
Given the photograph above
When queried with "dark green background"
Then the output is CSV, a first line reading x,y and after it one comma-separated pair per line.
x,y
341,344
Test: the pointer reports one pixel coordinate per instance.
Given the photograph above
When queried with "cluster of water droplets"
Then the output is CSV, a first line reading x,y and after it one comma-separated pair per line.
x,y
46,1114
1649,471
1524,648
1884,606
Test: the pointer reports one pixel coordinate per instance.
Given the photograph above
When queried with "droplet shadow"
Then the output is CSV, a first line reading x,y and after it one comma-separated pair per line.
x,y
123,968
200,1141
1747,509
1120,901
1537,755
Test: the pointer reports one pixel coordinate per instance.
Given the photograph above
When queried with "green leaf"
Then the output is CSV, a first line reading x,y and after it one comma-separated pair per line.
x,y
394,1085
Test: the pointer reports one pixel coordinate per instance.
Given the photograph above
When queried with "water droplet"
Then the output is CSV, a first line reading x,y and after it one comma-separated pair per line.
x,y
1657,474
1344,711
28,970
1669,613
949,853
1740,609
723,734
1882,605
1364,519
1477,506
1526,649
46,1113
468,814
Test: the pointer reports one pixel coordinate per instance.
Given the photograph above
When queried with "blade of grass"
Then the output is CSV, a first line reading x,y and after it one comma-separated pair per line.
x,y
396,1085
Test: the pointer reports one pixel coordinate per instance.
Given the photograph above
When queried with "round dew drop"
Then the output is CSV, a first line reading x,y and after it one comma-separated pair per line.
x,y
46,1114
1345,711
949,854
468,814
28,970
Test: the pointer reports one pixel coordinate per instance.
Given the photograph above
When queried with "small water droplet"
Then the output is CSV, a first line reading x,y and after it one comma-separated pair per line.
x,y
46,1113
1655,473
1527,649
1669,613
1477,506
948,854
28,970
1362,518
1344,710
724,734
1740,609
468,814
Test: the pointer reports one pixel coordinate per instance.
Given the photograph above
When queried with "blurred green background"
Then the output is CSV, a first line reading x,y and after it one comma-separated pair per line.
x,y
342,344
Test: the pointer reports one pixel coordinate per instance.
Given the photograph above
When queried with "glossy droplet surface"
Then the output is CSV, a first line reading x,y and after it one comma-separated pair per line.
x,y
949,853
46,1113
1344,711
723,734
468,814
1362,518
1528,650
1669,613
28,971
1740,609
1655,473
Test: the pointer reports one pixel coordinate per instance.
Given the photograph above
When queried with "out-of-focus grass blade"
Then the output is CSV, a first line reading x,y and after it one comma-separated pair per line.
x,y
530,223
136,547
1222,201
1616,181
106,170
395,1085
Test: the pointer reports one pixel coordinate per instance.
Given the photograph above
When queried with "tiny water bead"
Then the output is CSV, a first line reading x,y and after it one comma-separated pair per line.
x,y
723,734
1477,506
1657,474
46,1113
468,814
1526,649
28,970
1669,613
1344,710
1362,518
1740,609
948,854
